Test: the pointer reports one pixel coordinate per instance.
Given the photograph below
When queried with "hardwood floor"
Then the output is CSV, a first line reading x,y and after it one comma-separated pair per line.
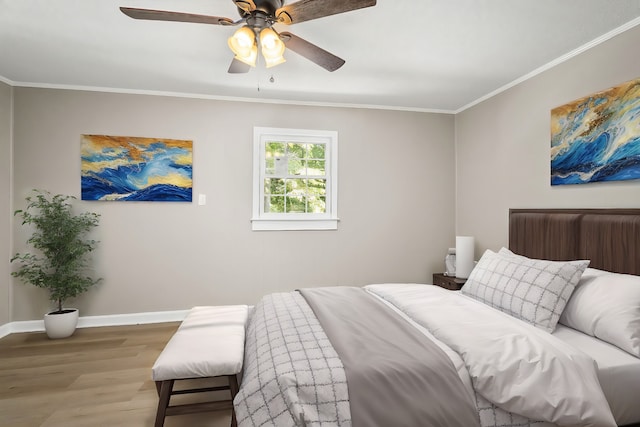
x,y
97,377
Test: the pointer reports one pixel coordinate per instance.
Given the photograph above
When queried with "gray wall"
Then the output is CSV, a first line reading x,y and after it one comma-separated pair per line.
x,y
5,202
396,200
503,144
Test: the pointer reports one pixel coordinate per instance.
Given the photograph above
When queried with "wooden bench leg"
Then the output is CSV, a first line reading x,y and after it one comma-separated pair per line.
x,y
164,392
233,387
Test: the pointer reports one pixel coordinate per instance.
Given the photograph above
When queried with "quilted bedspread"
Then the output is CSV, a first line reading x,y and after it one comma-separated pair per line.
x,y
292,375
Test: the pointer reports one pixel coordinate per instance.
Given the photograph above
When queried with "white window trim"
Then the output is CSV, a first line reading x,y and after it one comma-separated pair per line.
x,y
269,221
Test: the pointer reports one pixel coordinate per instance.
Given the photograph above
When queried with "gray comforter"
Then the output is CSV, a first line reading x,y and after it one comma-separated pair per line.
x,y
395,375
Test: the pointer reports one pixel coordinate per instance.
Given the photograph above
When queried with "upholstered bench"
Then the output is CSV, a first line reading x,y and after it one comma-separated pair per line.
x,y
208,344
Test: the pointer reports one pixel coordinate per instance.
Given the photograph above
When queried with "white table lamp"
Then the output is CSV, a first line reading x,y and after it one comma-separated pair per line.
x,y
464,256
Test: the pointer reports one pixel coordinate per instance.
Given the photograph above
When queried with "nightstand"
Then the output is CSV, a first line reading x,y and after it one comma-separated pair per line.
x,y
448,282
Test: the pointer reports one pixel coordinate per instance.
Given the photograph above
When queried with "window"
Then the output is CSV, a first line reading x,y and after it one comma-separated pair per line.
x,y
295,179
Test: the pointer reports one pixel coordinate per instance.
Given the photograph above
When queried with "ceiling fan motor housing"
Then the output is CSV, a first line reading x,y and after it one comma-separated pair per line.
x,y
263,15
268,7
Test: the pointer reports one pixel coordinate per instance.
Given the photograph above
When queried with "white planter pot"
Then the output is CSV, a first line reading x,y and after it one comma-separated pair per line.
x,y
61,325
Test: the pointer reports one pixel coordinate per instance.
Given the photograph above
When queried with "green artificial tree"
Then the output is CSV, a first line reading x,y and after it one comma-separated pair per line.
x,y
59,237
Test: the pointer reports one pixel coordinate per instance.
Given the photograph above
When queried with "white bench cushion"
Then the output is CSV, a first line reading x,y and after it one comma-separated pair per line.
x,y
208,343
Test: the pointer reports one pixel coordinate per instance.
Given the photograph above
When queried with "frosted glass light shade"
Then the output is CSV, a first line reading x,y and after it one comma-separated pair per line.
x,y
250,58
243,44
272,47
464,256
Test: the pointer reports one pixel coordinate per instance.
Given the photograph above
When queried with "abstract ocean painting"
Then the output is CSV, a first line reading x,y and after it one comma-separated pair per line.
x,y
597,138
136,169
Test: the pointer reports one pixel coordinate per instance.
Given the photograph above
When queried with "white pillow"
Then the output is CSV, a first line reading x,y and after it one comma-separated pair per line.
x,y
532,290
607,305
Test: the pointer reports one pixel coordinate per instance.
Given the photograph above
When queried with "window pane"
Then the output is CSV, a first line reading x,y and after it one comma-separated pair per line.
x,y
296,204
317,190
316,167
281,166
274,204
297,166
297,186
270,166
316,204
317,186
316,151
323,201
274,186
297,150
274,149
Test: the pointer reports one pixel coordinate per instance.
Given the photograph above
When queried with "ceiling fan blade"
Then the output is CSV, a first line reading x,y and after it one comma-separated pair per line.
x,y
313,53
246,5
306,10
165,15
238,67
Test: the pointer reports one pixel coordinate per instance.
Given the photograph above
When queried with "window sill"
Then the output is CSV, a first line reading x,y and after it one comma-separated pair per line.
x,y
293,224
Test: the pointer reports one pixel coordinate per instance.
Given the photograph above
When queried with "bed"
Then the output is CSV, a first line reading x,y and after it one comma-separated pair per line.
x,y
545,332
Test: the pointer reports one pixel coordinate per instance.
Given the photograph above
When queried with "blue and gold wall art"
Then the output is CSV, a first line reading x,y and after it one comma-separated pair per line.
x,y
597,138
136,169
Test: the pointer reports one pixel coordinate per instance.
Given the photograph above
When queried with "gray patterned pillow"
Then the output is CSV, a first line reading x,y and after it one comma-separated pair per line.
x,y
532,290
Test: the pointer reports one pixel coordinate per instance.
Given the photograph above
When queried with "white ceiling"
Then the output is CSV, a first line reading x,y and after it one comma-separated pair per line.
x,y
424,55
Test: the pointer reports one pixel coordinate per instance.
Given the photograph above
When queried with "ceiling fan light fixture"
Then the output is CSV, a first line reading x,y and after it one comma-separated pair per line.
x,y
272,62
242,42
250,58
272,47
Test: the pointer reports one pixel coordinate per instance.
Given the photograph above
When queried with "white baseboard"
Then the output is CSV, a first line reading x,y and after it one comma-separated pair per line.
x,y
97,321
5,329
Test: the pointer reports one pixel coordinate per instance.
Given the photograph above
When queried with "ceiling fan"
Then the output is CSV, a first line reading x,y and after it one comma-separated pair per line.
x,y
258,18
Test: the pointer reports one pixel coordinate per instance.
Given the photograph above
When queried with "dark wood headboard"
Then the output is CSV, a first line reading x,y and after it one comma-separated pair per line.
x,y
610,238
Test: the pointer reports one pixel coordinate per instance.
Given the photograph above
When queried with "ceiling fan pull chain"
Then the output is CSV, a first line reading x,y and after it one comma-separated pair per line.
x,y
258,75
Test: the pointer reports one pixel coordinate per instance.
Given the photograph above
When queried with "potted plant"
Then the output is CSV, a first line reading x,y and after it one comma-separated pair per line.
x,y
59,266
